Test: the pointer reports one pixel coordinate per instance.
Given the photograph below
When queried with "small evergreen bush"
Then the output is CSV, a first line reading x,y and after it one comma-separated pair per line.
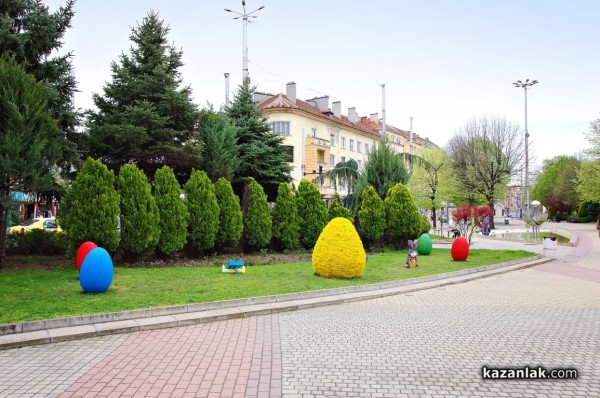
x,y
90,209
37,241
336,209
286,225
371,215
139,213
202,205
403,217
312,212
257,219
231,224
174,216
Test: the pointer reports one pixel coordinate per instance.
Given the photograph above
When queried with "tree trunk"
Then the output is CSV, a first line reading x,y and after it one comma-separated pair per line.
x,y
434,217
491,205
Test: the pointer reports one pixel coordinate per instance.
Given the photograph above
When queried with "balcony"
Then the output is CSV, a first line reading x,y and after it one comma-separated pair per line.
x,y
319,142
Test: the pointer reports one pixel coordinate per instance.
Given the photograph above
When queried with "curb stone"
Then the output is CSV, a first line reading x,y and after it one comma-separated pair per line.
x,y
85,326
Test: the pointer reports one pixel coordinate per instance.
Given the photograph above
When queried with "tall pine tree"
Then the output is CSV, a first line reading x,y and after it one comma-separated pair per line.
x,y
221,150
30,34
143,117
262,153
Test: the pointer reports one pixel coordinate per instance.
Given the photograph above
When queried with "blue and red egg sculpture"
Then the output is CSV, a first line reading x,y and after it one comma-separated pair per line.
x,y
95,268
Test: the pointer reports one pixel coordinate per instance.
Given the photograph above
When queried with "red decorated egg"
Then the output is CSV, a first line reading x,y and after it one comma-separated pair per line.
x,y
83,251
460,249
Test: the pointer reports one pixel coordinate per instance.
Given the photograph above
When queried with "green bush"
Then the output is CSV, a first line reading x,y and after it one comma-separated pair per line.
x,y
202,205
336,209
231,223
286,225
173,214
371,216
139,213
38,241
403,217
257,219
425,226
312,212
90,209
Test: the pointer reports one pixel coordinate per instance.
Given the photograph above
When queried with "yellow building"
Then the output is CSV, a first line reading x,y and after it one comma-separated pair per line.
x,y
319,136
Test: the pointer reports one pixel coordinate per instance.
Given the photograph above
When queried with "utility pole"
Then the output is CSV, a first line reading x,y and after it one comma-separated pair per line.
x,y
245,20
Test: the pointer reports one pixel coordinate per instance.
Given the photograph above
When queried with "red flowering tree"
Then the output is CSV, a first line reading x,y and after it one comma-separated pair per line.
x,y
467,218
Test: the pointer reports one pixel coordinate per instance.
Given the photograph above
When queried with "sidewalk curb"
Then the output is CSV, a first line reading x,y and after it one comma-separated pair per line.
x,y
85,326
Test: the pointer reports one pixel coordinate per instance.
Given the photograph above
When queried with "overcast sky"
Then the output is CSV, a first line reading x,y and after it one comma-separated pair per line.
x,y
443,62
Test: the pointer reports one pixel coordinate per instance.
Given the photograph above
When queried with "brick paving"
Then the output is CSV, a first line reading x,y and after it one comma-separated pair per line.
x,y
429,343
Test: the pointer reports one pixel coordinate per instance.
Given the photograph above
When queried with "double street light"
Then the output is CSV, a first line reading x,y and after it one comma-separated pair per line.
x,y
245,19
524,85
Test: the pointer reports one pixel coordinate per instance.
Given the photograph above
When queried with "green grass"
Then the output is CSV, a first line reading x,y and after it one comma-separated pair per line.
x,y
34,295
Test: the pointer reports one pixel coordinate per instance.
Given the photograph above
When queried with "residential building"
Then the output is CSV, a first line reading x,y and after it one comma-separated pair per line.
x,y
318,136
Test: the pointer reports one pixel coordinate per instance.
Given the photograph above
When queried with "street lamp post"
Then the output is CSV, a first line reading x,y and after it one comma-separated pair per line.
x,y
245,19
524,85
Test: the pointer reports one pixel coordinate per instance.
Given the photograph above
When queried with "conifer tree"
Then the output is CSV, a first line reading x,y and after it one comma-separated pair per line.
x,y
221,152
312,212
173,214
257,219
231,224
262,153
202,205
336,209
30,34
139,219
90,209
286,225
30,141
143,116
371,215
403,217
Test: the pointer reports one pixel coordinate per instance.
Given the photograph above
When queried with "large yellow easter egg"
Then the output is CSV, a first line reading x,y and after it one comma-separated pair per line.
x,y
339,252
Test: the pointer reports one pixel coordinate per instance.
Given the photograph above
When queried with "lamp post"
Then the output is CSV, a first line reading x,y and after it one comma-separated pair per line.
x,y
245,19
524,85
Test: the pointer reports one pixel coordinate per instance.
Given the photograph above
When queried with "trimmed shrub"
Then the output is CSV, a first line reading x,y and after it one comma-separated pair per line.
x,y
38,241
371,216
403,218
257,220
339,252
231,223
90,209
139,213
286,225
312,212
201,203
174,216
336,209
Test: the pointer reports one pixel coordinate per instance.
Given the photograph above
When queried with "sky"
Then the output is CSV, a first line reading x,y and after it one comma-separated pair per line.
x,y
442,62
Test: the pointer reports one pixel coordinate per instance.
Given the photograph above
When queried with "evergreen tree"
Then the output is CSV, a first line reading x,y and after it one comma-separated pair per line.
x,y
371,216
336,209
221,152
90,209
231,224
402,214
30,141
286,225
262,153
257,220
312,212
173,214
202,205
139,214
143,117
29,34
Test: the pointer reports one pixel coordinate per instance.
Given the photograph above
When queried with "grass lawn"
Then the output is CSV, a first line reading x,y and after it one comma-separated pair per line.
x,y
28,295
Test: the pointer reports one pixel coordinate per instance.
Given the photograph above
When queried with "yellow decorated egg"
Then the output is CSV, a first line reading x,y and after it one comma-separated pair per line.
x,y
339,252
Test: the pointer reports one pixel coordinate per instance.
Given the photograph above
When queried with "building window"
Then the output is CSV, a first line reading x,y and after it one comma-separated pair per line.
x,y
358,146
313,132
343,142
290,153
332,160
343,158
359,164
343,183
282,128
351,145
332,139
367,149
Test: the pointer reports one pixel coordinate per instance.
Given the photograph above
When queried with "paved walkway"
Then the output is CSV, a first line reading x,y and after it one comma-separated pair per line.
x,y
429,343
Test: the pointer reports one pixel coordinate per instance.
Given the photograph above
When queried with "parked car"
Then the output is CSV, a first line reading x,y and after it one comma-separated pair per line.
x,y
48,224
